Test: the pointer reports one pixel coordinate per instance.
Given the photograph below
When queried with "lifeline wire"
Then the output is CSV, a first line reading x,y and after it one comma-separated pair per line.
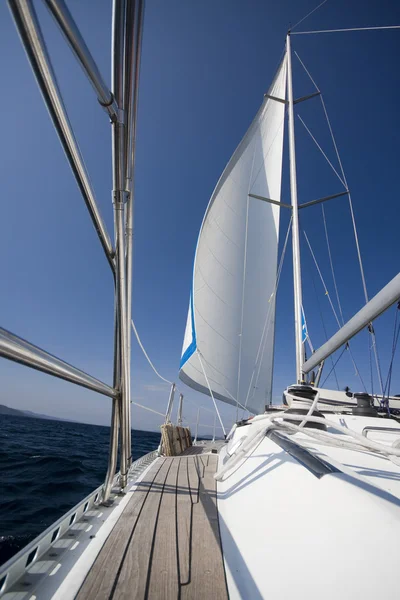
x,y
147,356
147,408
158,375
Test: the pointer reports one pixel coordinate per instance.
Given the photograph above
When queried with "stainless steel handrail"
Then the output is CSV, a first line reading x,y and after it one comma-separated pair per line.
x,y
375,307
32,39
115,414
133,33
121,104
170,403
180,408
19,350
119,198
63,17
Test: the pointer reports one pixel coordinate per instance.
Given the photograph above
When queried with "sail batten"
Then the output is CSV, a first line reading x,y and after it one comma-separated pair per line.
x,y
235,265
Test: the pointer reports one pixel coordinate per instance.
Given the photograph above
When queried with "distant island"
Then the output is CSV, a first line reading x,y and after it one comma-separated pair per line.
x,y
14,412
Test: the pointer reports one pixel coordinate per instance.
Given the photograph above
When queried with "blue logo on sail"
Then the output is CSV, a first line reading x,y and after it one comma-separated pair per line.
x,y
304,332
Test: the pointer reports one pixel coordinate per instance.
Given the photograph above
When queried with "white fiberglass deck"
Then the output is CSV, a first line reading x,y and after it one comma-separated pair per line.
x,y
291,530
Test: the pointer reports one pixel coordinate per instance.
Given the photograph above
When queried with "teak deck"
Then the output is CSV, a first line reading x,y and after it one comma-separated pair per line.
x,y
166,544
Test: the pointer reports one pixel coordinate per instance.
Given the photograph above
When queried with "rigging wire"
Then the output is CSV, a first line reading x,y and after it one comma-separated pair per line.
x,y
334,366
350,200
212,395
322,280
342,178
396,332
356,369
371,370
310,13
333,309
227,392
307,71
331,263
265,330
344,181
161,377
349,29
324,328
267,323
372,331
323,153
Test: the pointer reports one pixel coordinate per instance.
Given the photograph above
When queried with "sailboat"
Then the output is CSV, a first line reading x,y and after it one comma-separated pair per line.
x,y
296,500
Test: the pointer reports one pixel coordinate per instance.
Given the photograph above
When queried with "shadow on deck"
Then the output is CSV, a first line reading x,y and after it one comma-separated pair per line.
x,y
166,543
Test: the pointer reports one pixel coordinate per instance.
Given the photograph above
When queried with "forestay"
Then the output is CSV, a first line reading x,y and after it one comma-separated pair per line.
x,y
232,306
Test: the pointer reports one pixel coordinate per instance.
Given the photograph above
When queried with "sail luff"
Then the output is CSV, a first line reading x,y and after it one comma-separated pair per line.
x,y
243,287
235,265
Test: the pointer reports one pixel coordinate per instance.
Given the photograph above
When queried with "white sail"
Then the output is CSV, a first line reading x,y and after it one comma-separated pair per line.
x,y
232,304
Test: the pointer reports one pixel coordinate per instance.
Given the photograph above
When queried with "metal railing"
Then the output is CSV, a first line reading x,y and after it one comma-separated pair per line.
x,y
214,427
66,529
120,103
170,403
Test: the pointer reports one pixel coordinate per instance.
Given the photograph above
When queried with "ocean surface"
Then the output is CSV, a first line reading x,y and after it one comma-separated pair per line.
x,y
46,467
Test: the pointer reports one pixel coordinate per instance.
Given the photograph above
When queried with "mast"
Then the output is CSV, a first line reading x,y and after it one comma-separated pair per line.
x,y
295,223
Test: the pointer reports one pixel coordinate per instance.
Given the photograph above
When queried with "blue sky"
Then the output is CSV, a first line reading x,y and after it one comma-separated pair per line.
x,y
205,68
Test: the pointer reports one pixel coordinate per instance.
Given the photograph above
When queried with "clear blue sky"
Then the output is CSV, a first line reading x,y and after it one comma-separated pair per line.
x,y
205,68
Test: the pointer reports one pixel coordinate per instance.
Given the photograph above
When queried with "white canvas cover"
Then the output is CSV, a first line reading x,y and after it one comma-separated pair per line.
x,y
231,312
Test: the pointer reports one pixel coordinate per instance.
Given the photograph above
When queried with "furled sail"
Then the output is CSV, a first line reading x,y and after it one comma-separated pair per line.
x,y
229,337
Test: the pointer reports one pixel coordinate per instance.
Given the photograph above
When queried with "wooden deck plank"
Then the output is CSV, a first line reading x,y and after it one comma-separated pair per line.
x,y
100,579
184,518
132,577
201,465
164,575
166,544
207,573
193,477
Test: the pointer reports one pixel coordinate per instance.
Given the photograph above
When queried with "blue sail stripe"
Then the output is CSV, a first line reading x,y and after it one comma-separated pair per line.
x,y
191,349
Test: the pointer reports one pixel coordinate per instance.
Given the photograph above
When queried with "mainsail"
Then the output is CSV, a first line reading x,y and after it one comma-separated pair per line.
x,y
229,337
